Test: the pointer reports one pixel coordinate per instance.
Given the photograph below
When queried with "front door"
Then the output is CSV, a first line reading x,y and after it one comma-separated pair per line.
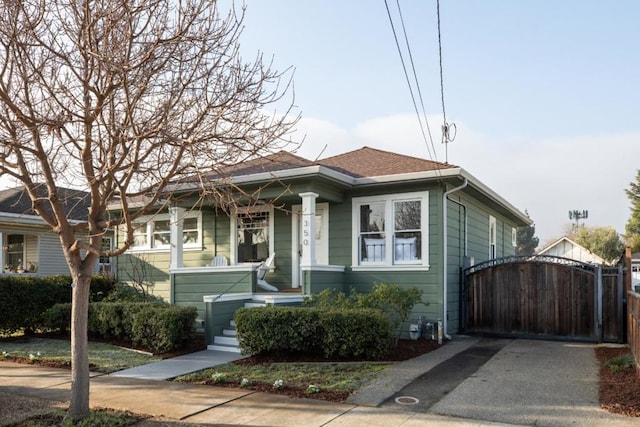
x,y
321,239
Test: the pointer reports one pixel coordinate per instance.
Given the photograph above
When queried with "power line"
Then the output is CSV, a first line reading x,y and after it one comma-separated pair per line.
x,y
415,77
447,128
406,74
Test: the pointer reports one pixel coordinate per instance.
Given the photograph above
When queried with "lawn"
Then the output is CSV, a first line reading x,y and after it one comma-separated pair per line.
x,y
330,380
104,358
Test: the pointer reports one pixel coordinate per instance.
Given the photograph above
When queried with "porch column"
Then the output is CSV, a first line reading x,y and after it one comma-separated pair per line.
x,y
2,253
308,239
176,220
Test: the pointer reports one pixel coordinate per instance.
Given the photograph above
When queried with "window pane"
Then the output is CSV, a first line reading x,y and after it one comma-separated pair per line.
x,y
15,250
407,215
372,218
190,224
161,233
253,236
407,246
190,231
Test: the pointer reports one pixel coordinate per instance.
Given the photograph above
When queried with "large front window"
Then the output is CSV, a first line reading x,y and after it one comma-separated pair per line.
x,y
391,230
252,236
155,232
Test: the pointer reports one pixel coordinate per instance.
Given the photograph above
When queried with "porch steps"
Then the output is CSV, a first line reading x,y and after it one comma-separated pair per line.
x,y
228,341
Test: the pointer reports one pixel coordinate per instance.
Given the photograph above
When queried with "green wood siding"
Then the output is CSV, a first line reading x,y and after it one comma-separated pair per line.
x,y
317,281
190,288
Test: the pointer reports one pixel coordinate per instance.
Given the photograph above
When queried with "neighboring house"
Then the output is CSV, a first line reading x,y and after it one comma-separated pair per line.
x,y
28,244
344,222
567,248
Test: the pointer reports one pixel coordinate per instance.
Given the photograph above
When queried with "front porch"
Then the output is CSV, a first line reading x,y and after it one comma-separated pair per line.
x,y
221,290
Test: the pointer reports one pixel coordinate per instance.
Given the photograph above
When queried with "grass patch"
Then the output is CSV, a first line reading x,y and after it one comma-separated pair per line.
x,y
621,362
326,376
105,358
97,418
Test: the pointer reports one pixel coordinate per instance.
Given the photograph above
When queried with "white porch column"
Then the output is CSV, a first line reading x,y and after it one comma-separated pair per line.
x,y
176,221
2,253
308,237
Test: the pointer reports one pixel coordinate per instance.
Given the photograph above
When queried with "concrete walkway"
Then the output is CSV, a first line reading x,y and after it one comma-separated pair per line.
x,y
181,365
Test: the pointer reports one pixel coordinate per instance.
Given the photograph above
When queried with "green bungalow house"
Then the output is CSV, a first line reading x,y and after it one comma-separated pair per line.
x,y
343,222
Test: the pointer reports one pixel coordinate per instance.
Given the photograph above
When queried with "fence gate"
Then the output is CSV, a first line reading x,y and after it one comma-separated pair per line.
x,y
544,296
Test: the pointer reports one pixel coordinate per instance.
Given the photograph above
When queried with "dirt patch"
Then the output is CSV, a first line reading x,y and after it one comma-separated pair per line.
x,y
619,391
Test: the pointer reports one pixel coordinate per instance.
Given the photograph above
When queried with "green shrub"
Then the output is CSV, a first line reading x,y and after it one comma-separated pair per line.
x,y
122,292
355,334
395,302
158,328
346,333
25,298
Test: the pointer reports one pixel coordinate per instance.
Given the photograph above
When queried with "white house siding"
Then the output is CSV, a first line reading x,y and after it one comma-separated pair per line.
x,y
51,259
567,249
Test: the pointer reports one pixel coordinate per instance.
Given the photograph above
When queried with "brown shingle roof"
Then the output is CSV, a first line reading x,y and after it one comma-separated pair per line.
x,y
281,160
368,161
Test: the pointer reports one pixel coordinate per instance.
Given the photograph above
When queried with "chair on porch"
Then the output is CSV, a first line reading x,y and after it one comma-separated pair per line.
x,y
219,261
261,272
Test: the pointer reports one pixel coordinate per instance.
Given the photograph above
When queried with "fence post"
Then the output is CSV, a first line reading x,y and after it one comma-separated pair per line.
x,y
598,305
620,293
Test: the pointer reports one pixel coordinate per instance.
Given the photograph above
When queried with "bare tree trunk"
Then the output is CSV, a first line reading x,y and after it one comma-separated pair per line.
x,y
79,406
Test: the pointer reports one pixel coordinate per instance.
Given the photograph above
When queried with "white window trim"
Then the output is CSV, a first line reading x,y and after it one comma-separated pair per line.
x,y
494,242
234,231
514,237
388,200
148,224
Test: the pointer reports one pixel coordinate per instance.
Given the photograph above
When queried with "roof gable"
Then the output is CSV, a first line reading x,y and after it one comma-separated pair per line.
x,y
567,248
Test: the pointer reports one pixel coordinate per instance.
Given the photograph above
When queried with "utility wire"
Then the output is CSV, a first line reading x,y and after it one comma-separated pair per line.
x,y
406,75
447,128
415,77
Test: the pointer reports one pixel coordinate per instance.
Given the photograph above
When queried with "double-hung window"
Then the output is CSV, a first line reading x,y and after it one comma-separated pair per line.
x,y
391,230
154,233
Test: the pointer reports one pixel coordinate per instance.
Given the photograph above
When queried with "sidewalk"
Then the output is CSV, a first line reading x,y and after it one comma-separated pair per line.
x,y
209,405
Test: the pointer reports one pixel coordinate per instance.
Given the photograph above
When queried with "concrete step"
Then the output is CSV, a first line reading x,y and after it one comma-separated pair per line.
x,y
232,323
225,340
253,304
223,347
229,332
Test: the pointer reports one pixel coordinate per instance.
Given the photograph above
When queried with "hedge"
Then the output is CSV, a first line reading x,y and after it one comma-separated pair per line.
x,y
342,333
25,298
156,327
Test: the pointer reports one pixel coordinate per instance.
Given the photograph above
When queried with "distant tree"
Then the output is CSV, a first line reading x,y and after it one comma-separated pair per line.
x,y
602,241
632,229
526,241
124,99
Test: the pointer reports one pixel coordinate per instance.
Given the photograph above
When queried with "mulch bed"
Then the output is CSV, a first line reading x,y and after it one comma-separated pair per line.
x,y
619,391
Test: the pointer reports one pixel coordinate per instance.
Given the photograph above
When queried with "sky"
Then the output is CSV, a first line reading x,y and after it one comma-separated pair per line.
x,y
544,94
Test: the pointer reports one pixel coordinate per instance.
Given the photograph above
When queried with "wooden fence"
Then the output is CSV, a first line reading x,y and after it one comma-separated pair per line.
x,y
543,296
633,325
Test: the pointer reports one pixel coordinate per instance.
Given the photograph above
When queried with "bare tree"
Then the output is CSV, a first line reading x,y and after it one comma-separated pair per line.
x,y
123,98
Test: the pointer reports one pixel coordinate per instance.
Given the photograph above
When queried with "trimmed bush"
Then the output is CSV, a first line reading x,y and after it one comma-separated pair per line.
x,y
156,327
344,333
278,329
25,298
356,334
